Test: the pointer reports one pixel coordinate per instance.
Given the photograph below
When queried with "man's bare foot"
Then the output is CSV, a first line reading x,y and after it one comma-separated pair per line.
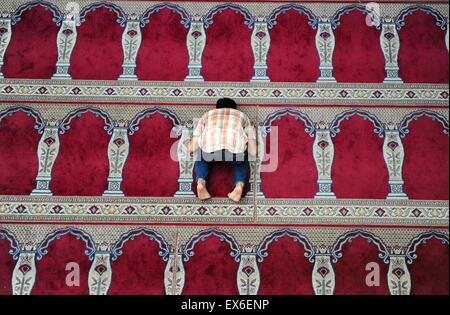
x,y
236,194
202,192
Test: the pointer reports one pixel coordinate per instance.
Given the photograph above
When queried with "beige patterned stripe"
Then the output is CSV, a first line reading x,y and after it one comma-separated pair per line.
x,y
244,93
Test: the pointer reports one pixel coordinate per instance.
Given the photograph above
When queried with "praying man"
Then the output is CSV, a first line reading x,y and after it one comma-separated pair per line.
x,y
224,134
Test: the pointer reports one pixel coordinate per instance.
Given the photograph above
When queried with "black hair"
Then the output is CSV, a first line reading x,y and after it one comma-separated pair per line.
x,y
226,103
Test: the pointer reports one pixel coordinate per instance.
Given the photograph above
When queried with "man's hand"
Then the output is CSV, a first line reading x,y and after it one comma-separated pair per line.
x,y
193,144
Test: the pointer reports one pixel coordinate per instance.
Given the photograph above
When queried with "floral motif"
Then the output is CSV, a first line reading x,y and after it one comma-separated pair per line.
x,y
343,93
21,209
398,272
49,141
166,210
377,94
389,36
130,209
272,211
411,94
119,142
308,211
243,93
277,93
261,35
3,31
202,210
323,271
310,93
196,34
101,269
392,145
110,91
325,35
43,90
76,90
132,33
380,212
323,144
57,209
24,269
248,271
94,209
67,32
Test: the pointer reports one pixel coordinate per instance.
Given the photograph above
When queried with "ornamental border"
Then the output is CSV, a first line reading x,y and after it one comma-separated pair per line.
x,y
333,10
250,213
94,247
244,93
145,19
6,234
414,116
188,249
336,250
38,118
42,247
263,247
64,126
313,19
58,16
422,239
122,17
225,201
163,251
400,18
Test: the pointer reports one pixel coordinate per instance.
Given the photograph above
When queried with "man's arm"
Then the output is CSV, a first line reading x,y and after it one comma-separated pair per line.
x,y
252,144
193,144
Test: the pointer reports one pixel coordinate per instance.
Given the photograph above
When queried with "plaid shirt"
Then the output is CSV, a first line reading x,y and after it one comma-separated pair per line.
x,y
223,129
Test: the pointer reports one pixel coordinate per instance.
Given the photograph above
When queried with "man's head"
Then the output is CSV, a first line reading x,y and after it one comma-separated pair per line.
x,y
226,103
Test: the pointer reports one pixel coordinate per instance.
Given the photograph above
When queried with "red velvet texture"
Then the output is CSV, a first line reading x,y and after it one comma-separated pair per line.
x,y
82,168
286,271
140,270
32,52
358,56
7,265
359,170
228,54
18,138
351,271
293,56
423,56
211,270
163,55
98,51
150,170
426,165
51,270
296,175
429,272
